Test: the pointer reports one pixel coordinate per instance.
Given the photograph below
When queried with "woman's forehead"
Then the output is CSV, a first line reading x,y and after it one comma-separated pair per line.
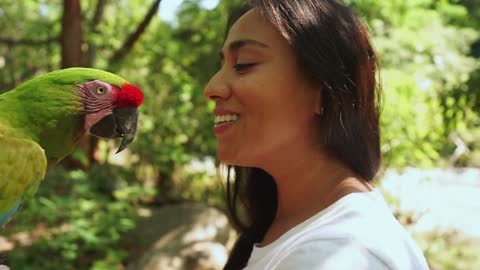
x,y
252,25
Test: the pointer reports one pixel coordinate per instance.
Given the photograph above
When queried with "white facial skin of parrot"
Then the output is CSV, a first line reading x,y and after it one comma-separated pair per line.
x,y
111,113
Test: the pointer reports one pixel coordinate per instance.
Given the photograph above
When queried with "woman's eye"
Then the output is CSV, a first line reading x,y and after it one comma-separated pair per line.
x,y
101,90
243,67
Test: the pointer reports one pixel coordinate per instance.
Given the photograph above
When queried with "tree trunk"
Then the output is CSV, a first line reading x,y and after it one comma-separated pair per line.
x,y
72,34
71,41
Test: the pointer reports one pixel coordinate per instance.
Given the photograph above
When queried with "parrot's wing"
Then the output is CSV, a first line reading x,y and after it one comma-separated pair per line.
x,y
23,165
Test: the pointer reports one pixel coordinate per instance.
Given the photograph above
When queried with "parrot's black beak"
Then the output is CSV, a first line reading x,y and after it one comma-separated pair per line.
x,y
122,123
126,120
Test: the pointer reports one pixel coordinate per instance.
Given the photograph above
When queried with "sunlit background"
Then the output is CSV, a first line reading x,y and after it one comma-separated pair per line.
x,y
169,8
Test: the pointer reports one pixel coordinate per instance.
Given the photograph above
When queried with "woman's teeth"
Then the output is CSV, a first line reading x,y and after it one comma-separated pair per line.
x,y
225,118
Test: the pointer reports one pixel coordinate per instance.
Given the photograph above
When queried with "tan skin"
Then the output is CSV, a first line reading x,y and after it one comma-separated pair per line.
x,y
277,107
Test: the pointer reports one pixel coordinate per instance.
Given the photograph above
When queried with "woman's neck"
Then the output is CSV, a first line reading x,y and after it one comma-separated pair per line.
x,y
305,187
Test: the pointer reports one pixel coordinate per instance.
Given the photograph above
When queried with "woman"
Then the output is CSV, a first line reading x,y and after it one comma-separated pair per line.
x,y
297,117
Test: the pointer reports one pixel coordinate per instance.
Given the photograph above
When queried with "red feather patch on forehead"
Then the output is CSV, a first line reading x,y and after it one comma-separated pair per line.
x,y
130,96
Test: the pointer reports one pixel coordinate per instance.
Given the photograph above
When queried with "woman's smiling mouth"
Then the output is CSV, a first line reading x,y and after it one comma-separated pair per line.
x,y
220,119
223,122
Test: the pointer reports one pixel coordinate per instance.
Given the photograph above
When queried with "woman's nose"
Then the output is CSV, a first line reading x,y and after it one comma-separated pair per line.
x,y
217,88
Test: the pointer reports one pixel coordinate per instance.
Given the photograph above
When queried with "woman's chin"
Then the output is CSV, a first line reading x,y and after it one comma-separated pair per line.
x,y
235,163
233,157
228,162
228,159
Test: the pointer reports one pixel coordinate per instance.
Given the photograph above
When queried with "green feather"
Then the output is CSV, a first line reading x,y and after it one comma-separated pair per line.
x,y
47,109
40,121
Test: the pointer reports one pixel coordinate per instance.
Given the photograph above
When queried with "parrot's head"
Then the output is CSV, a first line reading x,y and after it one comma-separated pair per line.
x,y
111,109
57,108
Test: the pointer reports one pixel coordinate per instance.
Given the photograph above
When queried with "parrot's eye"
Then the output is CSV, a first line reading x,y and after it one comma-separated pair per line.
x,y
100,90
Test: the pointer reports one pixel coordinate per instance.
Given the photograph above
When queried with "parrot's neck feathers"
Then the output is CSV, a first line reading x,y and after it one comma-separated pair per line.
x,y
52,116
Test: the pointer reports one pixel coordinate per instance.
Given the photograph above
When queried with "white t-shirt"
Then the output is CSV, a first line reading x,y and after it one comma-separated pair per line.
x,y
358,232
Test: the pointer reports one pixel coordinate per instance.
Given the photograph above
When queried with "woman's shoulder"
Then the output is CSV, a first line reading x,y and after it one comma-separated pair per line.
x,y
364,217
339,254
357,231
360,224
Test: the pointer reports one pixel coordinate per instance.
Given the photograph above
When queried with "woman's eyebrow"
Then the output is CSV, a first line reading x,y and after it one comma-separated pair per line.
x,y
238,44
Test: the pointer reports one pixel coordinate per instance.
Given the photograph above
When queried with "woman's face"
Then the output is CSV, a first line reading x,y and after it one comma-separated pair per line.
x,y
265,106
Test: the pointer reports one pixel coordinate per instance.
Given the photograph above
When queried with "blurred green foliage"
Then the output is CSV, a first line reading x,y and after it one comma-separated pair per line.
x,y
78,224
428,50
428,74
449,250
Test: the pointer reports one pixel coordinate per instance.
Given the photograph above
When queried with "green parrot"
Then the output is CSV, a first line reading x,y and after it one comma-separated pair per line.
x,y
42,120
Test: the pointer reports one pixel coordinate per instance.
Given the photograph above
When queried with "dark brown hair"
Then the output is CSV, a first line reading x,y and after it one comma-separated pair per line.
x,y
334,49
